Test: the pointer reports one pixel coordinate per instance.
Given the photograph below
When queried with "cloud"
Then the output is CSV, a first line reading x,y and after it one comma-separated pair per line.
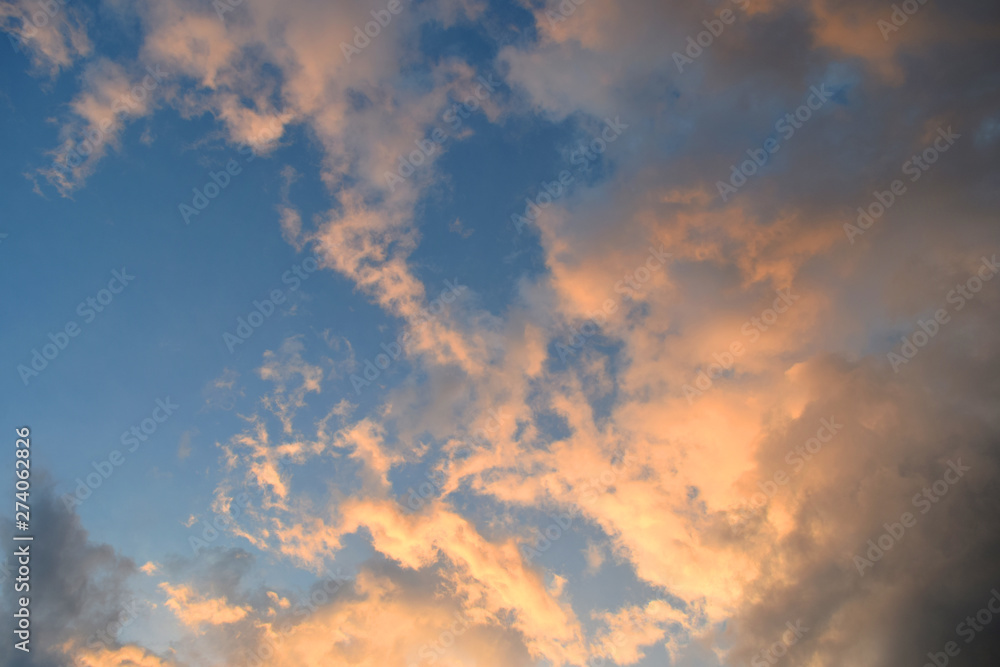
x,y
184,444
786,321
385,616
110,96
54,33
282,368
78,590
194,610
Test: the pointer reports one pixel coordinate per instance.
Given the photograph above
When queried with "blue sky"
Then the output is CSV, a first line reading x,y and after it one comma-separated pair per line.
x,y
534,388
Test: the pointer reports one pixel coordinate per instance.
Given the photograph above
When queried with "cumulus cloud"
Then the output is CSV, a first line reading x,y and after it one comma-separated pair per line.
x,y
194,610
673,362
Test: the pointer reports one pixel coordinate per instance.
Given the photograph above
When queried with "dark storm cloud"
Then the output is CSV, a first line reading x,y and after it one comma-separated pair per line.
x,y
77,589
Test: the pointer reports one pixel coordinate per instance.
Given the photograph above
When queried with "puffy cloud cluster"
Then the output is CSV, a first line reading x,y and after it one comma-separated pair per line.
x,y
456,571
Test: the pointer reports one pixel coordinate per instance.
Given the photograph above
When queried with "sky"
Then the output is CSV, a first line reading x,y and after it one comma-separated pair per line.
x,y
481,333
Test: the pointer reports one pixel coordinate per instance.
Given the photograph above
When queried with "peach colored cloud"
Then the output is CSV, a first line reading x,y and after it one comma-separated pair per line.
x,y
194,610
